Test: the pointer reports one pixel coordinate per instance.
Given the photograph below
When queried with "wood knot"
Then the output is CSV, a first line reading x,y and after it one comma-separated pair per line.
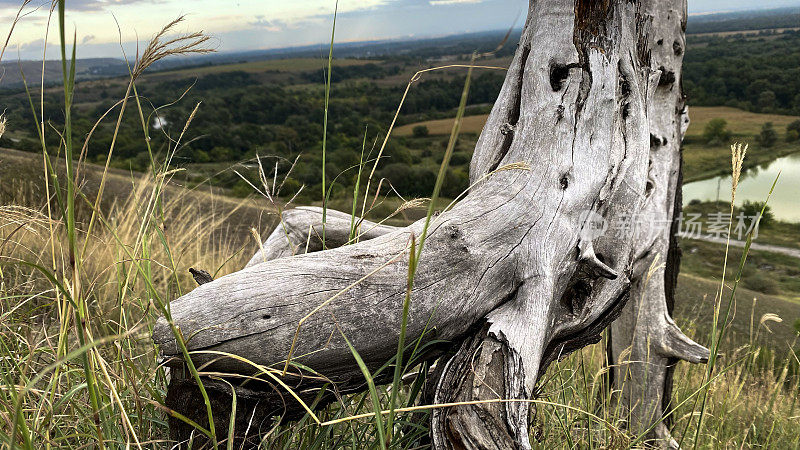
x,y
506,129
654,141
564,181
624,86
657,141
201,277
667,77
577,294
456,235
453,232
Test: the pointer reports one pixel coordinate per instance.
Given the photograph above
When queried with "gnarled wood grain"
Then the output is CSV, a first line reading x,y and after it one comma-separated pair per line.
x,y
301,231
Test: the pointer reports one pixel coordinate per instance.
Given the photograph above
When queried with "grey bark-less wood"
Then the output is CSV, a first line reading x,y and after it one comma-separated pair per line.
x,y
514,271
645,343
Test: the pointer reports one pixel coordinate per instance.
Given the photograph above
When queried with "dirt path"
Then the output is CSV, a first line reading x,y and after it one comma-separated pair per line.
x,y
754,246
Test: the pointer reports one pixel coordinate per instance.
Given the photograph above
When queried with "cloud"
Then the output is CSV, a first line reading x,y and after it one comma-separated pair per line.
x,y
323,13
244,25
36,45
262,23
451,2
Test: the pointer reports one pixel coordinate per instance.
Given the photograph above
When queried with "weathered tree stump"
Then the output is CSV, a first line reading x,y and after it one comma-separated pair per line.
x,y
515,272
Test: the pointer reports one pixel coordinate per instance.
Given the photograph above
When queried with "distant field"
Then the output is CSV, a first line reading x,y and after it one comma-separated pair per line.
x,y
282,65
703,161
470,124
739,122
744,32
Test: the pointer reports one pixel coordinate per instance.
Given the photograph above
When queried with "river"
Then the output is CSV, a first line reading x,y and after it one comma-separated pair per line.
x,y
754,185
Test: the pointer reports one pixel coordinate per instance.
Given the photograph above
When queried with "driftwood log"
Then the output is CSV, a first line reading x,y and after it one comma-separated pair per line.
x,y
515,273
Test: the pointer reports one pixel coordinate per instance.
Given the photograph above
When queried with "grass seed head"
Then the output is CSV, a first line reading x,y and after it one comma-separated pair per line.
x,y
160,47
769,317
519,165
738,152
414,203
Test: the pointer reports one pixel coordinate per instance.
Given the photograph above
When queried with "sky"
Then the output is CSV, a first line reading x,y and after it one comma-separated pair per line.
x,y
238,25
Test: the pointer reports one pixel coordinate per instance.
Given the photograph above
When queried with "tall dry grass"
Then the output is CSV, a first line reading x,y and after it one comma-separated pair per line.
x,y
125,265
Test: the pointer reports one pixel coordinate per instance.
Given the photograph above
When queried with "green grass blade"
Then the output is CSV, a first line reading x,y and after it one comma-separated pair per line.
x,y
401,342
715,345
325,122
373,392
445,161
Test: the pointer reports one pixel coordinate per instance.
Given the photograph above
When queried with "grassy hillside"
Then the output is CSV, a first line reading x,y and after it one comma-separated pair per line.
x,y
695,299
23,183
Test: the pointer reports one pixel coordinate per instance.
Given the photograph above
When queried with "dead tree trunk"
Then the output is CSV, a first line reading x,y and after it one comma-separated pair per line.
x,y
645,343
515,272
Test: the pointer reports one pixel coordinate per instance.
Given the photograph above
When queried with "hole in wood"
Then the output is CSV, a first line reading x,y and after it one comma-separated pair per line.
x,y
624,86
577,293
667,77
655,141
558,74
